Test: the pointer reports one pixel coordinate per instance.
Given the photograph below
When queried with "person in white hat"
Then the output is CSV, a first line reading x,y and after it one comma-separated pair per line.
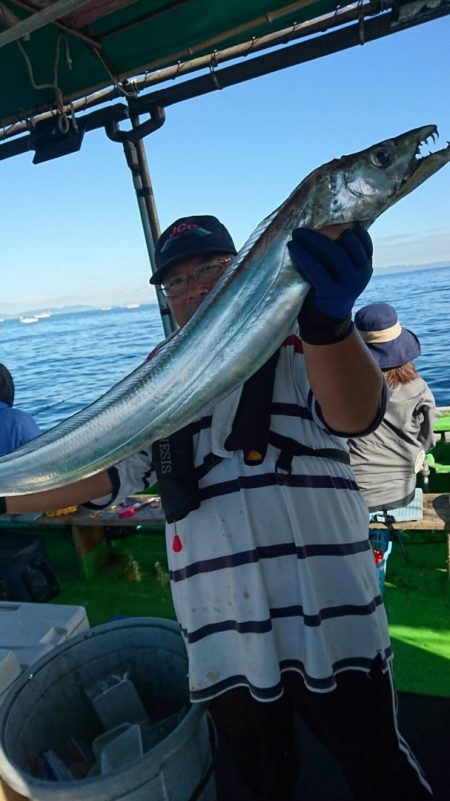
x,y
386,461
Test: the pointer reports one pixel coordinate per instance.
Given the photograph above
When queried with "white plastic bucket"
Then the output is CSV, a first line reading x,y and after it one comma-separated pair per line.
x,y
49,703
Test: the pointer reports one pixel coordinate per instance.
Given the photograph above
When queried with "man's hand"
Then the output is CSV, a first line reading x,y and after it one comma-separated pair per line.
x,y
345,378
334,231
337,271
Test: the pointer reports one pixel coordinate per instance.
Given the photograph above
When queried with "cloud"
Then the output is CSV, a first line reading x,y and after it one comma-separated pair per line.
x,y
411,249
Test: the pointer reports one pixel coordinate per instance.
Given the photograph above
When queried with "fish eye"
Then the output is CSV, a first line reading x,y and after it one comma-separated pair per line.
x,y
382,157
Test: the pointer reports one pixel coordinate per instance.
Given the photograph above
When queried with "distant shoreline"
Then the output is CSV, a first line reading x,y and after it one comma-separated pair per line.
x,y
408,268
8,315
78,309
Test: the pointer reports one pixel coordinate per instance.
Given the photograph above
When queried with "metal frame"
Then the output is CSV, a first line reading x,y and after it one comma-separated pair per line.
x,y
136,158
396,17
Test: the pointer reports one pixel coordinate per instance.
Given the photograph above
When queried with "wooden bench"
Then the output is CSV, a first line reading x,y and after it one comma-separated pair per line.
x,y
88,528
436,517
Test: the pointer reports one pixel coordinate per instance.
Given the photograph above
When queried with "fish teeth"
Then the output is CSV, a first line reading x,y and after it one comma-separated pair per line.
x,y
419,156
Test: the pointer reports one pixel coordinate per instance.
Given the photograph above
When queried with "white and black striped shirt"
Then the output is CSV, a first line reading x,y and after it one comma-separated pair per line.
x,y
273,572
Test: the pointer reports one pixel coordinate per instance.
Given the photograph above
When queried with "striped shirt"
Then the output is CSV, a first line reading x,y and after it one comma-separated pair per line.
x,y
274,571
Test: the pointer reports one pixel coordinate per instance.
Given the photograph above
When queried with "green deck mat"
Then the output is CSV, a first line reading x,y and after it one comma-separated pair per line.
x,y
417,600
134,583
417,596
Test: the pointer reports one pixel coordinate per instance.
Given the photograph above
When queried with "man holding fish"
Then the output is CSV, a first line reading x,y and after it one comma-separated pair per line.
x,y
272,573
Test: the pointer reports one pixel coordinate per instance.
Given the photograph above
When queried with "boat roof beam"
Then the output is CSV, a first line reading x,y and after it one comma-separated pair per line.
x,y
88,122
139,130
182,66
399,17
82,53
358,33
39,19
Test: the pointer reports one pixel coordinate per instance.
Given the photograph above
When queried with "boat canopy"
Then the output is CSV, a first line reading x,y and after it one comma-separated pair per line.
x,y
67,55
62,62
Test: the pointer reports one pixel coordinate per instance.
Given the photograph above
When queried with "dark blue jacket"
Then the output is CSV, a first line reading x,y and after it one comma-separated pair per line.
x,y
16,428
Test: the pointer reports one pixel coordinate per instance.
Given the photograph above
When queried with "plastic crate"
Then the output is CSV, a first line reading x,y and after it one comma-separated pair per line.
x,y
379,540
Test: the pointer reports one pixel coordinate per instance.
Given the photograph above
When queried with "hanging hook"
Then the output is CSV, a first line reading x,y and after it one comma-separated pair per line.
x,y
212,70
361,30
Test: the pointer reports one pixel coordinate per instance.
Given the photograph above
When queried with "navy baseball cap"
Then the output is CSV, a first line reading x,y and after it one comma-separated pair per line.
x,y
190,236
391,344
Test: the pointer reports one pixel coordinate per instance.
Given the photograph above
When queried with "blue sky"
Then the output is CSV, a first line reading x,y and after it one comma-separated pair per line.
x,y
70,228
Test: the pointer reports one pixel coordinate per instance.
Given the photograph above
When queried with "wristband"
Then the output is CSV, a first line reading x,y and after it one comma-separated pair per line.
x,y
2,506
317,328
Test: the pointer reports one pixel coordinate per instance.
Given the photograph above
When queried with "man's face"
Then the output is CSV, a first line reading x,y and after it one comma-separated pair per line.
x,y
190,280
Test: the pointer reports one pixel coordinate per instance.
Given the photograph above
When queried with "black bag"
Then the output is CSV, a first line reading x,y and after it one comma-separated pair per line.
x,y
25,570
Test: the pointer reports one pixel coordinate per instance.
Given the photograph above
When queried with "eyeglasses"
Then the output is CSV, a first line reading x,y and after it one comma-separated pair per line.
x,y
205,274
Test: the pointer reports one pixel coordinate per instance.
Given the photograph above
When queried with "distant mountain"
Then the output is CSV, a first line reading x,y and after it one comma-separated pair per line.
x,y
409,268
8,311
68,309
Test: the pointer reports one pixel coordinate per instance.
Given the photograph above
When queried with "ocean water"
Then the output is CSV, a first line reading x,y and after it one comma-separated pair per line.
x,y
422,300
64,362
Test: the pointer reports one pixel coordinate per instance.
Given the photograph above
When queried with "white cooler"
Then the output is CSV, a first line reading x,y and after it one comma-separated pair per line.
x,y
29,630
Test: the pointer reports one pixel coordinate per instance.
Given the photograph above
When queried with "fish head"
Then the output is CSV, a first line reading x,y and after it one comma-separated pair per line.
x,y
361,186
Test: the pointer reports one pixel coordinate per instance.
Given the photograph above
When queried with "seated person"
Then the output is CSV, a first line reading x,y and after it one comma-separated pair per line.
x,y
386,462
16,426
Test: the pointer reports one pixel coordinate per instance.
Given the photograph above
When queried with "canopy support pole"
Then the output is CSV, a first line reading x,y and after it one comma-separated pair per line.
x,y
136,159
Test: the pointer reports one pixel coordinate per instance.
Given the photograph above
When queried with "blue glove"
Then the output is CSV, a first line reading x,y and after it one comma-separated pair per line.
x,y
338,272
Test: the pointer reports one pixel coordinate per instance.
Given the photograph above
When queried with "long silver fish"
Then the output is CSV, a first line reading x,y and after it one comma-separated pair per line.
x,y
238,326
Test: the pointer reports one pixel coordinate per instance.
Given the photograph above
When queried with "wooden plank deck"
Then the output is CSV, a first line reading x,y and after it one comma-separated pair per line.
x,y
88,527
436,515
150,515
